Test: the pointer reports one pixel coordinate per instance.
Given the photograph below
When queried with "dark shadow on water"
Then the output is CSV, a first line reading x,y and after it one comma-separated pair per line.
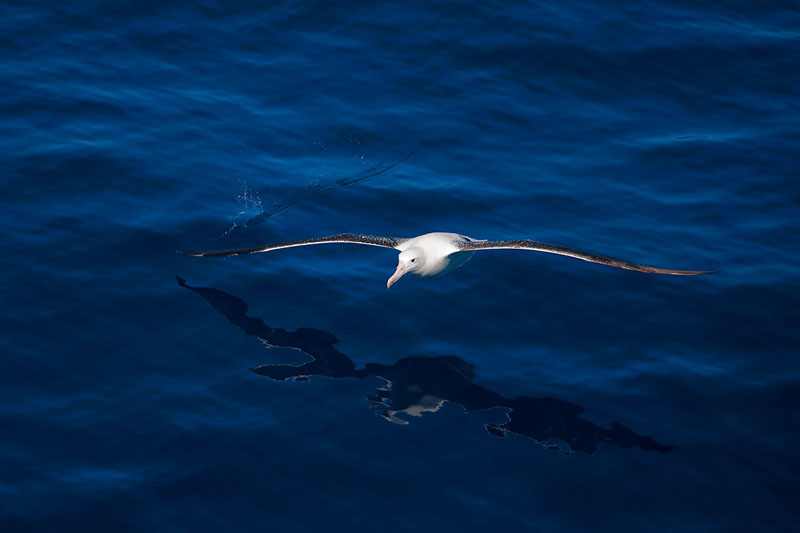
x,y
415,385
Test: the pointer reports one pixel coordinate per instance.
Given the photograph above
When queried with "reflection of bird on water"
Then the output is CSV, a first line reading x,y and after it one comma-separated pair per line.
x,y
416,385
436,254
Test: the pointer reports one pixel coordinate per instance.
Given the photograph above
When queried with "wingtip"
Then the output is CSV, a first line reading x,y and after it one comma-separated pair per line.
x,y
697,272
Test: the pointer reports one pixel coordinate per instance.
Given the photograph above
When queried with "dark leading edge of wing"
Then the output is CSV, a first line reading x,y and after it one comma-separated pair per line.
x,y
526,244
369,240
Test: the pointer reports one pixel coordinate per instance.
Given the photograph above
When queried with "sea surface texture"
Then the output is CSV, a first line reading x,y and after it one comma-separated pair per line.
x,y
142,390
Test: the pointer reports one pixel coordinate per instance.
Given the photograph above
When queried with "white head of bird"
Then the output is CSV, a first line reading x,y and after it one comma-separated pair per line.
x,y
409,261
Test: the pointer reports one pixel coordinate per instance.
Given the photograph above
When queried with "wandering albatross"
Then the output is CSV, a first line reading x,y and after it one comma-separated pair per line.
x,y
436,254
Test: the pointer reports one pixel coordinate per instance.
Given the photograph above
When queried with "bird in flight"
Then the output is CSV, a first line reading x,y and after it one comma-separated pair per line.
x,y
436,254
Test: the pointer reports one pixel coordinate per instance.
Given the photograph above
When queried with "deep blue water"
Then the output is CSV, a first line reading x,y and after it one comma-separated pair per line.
x,y
664,133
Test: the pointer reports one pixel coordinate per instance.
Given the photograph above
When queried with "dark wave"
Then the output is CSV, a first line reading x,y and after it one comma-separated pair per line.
x,y
306,193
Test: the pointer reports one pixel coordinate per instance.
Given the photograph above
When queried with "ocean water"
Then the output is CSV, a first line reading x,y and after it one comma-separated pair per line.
x,y
142,390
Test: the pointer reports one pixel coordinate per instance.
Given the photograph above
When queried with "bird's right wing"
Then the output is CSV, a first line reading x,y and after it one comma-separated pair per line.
x,y
349,238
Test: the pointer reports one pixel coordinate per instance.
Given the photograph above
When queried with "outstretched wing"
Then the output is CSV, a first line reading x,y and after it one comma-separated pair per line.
x,y
526,244
350,238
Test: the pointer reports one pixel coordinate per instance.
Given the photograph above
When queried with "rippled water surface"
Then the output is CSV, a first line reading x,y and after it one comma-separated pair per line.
x,y
141,390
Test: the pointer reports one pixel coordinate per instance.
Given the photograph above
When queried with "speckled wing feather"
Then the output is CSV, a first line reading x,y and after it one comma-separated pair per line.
x,y
350,238
526,244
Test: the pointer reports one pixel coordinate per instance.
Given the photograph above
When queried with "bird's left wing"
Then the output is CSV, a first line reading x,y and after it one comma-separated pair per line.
x,y
349,238
526,244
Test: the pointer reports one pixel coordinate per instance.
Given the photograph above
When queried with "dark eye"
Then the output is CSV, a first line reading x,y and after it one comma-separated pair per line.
x,y
413,259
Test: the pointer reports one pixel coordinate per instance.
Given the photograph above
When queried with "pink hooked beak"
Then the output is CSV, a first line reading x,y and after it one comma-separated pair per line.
x,y
401,269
